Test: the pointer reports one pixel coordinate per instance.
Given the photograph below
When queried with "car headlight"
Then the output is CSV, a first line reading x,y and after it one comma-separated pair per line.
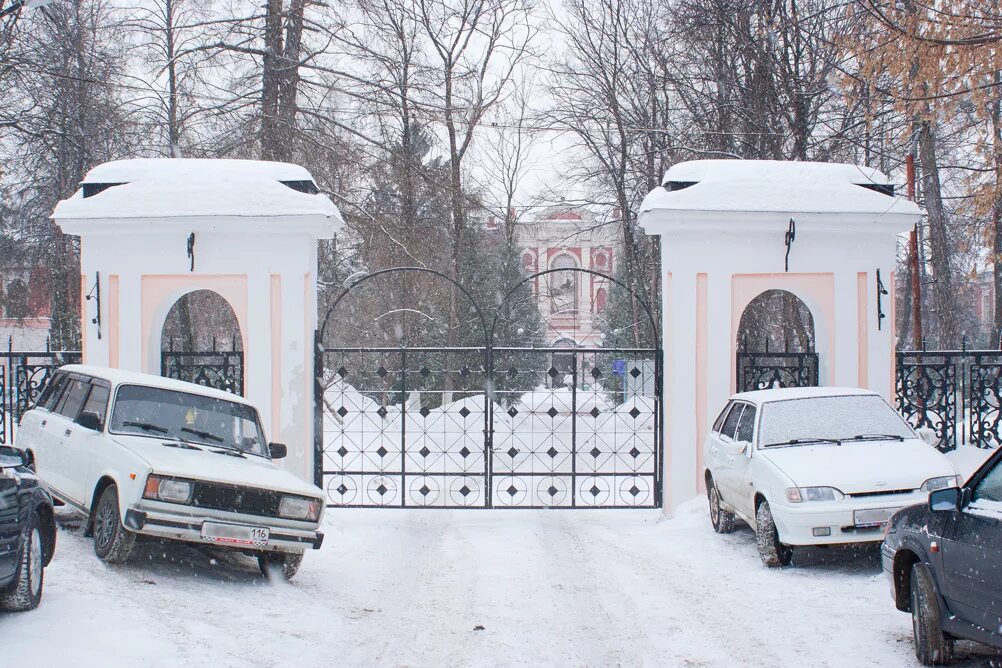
x,y
932,484
159,488
299,508
801,494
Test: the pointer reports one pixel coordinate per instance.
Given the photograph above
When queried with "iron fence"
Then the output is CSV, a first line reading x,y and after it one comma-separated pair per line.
x,y
222,370
760,370
956,393
23,375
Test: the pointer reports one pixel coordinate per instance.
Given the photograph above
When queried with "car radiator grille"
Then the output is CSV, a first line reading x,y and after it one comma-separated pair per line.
x,y
883,492
237,499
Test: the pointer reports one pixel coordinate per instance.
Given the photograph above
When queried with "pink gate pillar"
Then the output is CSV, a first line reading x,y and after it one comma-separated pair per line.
x,y
723,226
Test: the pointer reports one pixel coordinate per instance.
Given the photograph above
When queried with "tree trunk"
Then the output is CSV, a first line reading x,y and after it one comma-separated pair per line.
x,y
288,80
173,129
271,80
944,292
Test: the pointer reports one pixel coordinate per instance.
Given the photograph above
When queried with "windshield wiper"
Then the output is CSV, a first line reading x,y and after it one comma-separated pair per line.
x,y
803,441
183,444
875,437
203,434
146,426
232,452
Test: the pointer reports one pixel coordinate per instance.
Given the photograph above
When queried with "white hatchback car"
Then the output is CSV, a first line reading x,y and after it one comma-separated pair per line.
x,y
815,466
145,455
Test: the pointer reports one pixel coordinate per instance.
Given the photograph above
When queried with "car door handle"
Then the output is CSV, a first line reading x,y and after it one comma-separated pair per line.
x,y
45,422
67,432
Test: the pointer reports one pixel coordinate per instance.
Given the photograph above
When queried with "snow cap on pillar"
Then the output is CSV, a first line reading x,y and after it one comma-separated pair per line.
x,y
721,189
228,192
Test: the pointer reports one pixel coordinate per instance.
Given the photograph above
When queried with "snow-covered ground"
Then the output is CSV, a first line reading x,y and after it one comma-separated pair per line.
x,y
392,587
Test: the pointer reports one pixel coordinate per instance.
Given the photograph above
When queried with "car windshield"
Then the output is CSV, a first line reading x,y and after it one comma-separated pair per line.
x,y
825,419
160,413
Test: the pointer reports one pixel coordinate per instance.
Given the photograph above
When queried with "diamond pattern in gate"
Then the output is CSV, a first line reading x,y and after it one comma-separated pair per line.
x,y
605,450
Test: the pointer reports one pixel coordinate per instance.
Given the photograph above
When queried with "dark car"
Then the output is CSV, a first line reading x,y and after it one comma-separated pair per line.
x,y
944,562
27,532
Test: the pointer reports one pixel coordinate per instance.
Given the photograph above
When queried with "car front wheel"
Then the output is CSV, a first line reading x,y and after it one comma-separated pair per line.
x,y
112,541
773,552
722,521
932,647
274,563
25,592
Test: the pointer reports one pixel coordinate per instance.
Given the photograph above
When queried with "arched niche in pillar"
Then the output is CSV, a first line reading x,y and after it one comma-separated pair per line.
x,y
775,343
815,293
162,294
201,342
199,321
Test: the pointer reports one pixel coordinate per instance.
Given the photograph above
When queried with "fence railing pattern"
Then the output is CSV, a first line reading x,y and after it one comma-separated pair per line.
x,y
956,393
762,371
23,376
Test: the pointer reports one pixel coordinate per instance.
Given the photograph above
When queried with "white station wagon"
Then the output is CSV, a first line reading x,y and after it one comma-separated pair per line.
x,y
815,466
145,455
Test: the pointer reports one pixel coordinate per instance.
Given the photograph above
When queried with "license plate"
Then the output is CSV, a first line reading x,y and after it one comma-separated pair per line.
x,y
873,517
234,534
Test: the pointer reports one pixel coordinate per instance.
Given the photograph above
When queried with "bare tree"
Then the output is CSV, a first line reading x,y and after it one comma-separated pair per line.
x,y
66,115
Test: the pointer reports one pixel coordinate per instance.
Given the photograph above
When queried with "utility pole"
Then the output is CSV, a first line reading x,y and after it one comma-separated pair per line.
x,y
913,260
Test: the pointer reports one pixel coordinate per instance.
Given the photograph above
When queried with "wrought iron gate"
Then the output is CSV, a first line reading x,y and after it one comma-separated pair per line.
x,y
23,376
484,426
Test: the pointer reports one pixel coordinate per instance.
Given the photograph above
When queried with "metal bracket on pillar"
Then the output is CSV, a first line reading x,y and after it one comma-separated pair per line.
x,y
191,251
791,235
95,294
881,292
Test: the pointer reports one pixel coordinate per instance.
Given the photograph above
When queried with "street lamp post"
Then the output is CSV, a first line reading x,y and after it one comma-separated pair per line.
x,y
27,4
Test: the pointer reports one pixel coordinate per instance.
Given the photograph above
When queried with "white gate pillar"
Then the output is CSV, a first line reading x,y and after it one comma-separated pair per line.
x,y
723,226
154,230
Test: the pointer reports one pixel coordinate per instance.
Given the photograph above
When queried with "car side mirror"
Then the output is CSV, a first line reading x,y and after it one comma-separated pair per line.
x,y
89,420
11,455
745,448
945,500
278,450
928,435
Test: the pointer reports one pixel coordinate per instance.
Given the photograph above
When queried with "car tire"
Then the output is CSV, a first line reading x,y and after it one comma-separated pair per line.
x,y
932,647
113,543
722,521
25,593
773,553
274,563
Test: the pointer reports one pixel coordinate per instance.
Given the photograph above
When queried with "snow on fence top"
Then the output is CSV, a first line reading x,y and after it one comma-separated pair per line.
x,y
185,188
774,186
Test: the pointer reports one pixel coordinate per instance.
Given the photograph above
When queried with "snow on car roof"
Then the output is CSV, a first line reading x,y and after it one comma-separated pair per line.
x,y
181,187
776,186
787,393
121,377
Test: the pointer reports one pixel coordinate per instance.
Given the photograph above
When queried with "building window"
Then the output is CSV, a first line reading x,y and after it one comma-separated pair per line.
x,y
600,299
563,284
